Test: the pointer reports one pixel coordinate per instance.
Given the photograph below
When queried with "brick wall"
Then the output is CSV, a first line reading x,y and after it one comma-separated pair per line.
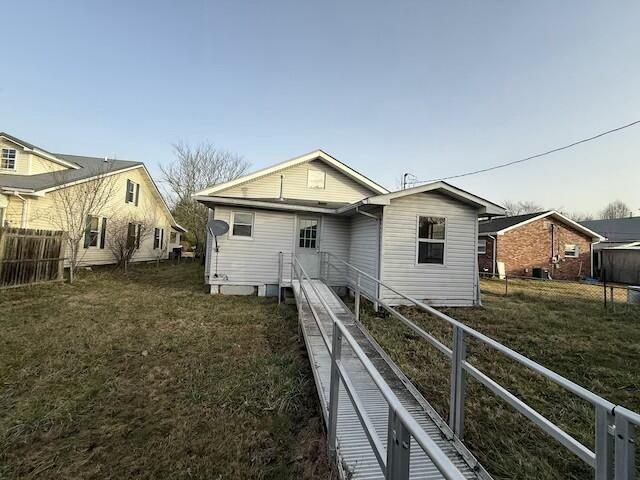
x,y
485,261
529,246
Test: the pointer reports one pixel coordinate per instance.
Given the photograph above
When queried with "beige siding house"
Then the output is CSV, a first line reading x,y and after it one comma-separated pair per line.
x,y
421,240
33,181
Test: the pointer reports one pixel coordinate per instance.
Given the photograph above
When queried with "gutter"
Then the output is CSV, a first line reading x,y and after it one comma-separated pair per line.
x,y
23,219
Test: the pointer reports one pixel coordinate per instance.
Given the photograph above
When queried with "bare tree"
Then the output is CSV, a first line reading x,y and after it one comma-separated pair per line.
x,y
75,205
580,216
194,169
126,234
615,209
521,207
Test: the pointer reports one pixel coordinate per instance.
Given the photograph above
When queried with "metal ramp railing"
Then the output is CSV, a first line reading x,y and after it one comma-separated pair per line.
x,y
394,460
614,455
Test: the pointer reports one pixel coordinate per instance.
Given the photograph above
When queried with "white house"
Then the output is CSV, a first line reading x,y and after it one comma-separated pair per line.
x,y
422,240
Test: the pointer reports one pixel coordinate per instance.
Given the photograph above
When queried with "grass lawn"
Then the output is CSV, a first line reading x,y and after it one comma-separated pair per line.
x,y
571,335
146,376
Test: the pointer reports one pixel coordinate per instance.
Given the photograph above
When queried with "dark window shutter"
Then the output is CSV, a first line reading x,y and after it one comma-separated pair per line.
x,y
138,236
161,238
103,232
126,192
137,193
87,232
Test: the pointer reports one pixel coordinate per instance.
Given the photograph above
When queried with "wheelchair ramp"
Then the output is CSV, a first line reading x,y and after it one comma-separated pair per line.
x,y
354,451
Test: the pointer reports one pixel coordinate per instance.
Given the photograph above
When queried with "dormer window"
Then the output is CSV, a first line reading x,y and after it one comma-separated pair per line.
x,y
8,160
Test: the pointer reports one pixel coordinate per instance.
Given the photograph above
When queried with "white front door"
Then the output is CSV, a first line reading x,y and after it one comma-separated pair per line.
x,y
308,245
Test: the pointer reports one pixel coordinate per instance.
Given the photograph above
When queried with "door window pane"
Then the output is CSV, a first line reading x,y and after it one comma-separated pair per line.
x,y
308,233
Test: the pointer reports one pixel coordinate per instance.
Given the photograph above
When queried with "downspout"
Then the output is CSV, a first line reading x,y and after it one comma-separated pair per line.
x,y
23,219
494,248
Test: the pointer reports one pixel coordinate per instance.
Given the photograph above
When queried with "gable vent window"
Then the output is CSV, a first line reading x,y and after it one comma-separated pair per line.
x,y
8,160
316,179
571,251
431,240
133,192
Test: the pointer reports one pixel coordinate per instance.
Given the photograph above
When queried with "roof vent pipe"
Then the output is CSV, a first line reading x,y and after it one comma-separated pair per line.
x,y
281,187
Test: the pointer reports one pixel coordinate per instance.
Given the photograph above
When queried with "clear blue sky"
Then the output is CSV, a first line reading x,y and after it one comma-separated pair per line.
x,y
432,88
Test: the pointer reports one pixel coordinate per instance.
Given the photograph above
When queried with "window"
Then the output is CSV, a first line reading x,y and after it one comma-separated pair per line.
x,y
482,247
134,232
308,233
315,179
158,238
95,232
173,237
8,160
431,240
571,251
132,193
242,224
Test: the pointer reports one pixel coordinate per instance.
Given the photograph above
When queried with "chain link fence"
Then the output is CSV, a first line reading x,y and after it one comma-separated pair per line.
x,y
609,296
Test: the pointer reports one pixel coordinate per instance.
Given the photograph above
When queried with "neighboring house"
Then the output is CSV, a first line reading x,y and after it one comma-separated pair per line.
x,y
33,181
619,232
552,244
421,240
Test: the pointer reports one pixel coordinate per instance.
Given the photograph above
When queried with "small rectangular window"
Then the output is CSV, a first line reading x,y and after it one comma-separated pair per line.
x,y
431,240
571,251
172,237
156,238
308,228
482,247
316,179
242,224
131,236
8,159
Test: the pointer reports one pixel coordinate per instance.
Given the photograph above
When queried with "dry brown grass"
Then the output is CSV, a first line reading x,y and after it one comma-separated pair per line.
x,y
146,376
571,335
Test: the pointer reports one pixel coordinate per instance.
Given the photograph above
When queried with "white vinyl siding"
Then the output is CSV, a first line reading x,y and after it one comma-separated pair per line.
x,y
450,284
254,262
363,249
334,238
337,188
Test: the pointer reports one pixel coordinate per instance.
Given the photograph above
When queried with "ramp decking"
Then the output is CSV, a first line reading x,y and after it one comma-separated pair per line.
x,y
354,451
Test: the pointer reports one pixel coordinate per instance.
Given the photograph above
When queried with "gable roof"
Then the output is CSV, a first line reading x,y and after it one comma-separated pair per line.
x,y
504,224
616,230
85,168
486,207
314,155
28,147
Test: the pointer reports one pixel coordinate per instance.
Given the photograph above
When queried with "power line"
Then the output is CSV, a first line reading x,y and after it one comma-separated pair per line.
x,y
538,155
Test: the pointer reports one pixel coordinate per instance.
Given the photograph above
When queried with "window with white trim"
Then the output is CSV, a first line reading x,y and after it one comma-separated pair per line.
x,y
132,193
431,240
95,232
8,159
316,179
242,225
482,246
158,238
173,237
308,237
571,251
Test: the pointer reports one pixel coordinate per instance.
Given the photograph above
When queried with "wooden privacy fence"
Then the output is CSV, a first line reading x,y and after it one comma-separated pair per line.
x,y
30,256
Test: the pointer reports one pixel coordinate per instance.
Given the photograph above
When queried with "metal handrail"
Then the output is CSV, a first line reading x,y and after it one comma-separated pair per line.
x,y
435,453
601,459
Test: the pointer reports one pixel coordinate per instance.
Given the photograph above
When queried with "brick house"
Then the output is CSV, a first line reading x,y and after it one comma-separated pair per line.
x,y
554,245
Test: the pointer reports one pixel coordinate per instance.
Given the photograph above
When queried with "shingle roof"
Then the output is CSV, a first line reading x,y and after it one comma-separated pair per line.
x,y
617,230
500,223
89,167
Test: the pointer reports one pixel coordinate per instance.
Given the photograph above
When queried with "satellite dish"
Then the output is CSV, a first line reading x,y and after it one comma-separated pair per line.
x,y
217,227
